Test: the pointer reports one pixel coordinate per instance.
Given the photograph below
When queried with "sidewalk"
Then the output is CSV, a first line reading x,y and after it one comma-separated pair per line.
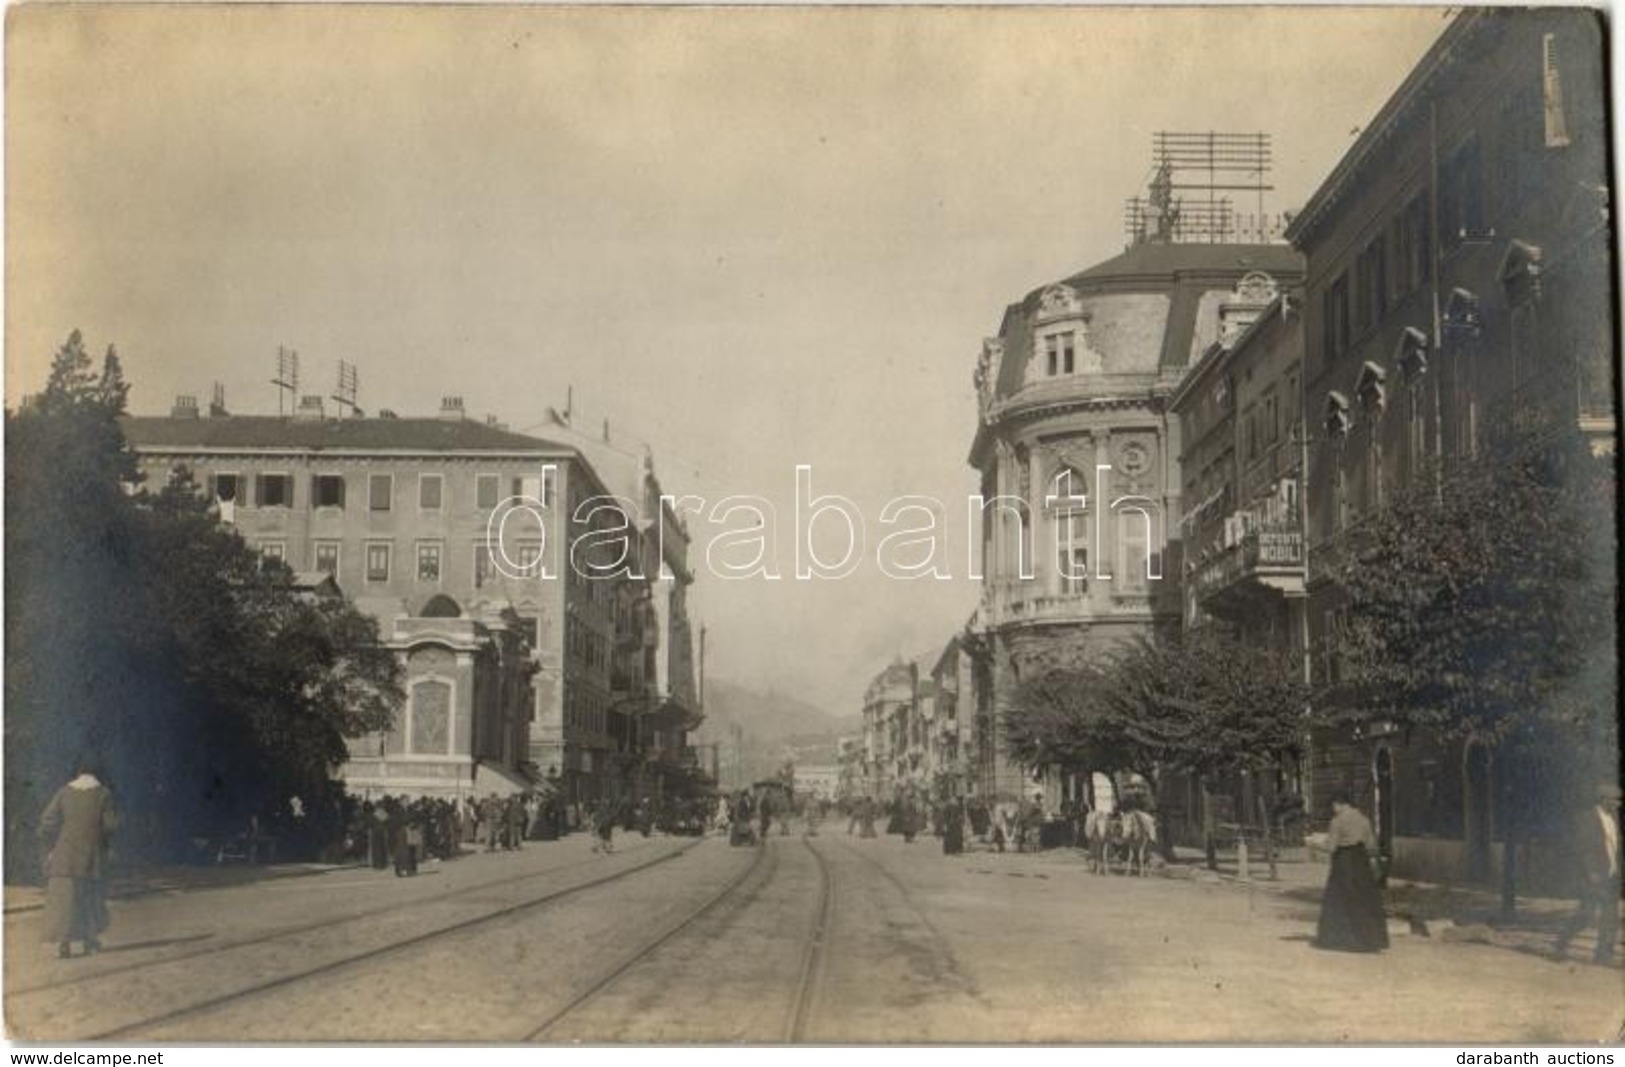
x,y
1448,913
25,898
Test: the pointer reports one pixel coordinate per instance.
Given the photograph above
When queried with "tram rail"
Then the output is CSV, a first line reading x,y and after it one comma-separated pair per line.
x,y
299,974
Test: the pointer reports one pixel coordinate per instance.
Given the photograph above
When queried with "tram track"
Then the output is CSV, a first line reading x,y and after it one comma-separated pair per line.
x,y
812,969
296,974
301,929
742,891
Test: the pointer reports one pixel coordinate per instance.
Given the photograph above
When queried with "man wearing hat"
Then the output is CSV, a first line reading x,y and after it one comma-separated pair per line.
x,y
1596,843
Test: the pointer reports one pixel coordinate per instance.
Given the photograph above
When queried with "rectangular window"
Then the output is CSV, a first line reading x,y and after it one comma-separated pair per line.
x,y
530,489
429,487
528,557
483,569
428,561
1059,354
1461,197
486,487
276,550
225,487
378,562
327,490
273,491
380,491
1336,318
327,557
1371,286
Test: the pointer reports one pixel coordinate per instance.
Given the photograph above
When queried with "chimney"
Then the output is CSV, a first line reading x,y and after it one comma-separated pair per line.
x,y
310,407
451,407
217,405
185,408
495,423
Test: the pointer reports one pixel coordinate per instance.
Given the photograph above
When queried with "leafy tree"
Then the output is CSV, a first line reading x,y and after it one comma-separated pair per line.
x,y
1484,607
1201,702
143,632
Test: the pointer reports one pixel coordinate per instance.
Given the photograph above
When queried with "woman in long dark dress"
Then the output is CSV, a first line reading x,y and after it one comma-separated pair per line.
x,y
1351,915
952,819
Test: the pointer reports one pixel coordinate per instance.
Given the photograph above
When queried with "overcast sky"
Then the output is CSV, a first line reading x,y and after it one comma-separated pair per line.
x,y
750,238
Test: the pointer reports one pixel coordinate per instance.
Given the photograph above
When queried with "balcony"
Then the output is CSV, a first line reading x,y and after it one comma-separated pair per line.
x,y
1266,561
1016,606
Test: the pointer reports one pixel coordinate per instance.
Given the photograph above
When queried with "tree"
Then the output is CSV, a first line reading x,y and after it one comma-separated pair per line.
x,y
141,631
1201,702
1484,608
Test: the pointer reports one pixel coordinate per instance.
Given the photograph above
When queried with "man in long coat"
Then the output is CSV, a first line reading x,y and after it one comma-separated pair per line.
x,y
1596,843
75,829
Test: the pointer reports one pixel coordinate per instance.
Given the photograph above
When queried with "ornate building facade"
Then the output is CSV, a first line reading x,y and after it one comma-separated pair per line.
x,y
1078,458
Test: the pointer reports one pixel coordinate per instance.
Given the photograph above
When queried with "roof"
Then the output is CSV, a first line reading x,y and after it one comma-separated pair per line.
x,y
273,432
1182,272
1163,260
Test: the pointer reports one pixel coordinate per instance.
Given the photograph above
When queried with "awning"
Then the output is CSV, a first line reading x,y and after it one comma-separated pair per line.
x,y
489,778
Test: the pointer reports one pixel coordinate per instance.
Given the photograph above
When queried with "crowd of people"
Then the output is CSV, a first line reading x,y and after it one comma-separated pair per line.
x,y
404,831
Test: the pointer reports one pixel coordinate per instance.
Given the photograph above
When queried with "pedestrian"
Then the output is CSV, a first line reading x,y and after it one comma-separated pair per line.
x,y
378,834
1596,855
764,812
74,832
951,821
907,818
604,826
1351,915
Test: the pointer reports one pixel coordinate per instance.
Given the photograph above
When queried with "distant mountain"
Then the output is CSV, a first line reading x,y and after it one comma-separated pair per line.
x,y
772,728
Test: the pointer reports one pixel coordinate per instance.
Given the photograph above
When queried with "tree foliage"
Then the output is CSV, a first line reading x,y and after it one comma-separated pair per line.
x,y
1486,605
145,634
1201,702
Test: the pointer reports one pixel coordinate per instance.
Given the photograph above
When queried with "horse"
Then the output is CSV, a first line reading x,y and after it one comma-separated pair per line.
x,y
1137,831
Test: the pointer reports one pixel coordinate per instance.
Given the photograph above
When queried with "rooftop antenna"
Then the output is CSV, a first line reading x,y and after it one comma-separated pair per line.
x,y
348,380
569,403
1193,175
287,376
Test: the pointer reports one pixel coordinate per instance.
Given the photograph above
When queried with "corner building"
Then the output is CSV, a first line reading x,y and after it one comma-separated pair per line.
x,y
1077,380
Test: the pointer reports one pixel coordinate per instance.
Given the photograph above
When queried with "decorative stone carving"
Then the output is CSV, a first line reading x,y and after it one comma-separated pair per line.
x,y
1134,459
987,373
1256,287
1058,302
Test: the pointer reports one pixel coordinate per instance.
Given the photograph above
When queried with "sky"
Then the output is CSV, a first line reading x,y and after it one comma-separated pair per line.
x,y
749,238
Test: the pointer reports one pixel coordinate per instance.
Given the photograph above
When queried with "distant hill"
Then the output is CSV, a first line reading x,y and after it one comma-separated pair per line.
x,y
773,727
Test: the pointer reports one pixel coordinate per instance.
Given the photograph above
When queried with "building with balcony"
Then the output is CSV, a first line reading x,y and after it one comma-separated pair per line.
x,y
1078,455
1241,531
1459,268
655,703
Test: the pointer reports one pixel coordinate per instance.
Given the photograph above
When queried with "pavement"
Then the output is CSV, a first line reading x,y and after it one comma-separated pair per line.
x,y
1452,913
177,879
